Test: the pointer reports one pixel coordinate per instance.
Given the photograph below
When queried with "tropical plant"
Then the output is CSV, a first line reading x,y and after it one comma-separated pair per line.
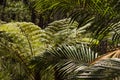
x,y
78,62
39,54
14,10
104,17
63,31
21,10
20,42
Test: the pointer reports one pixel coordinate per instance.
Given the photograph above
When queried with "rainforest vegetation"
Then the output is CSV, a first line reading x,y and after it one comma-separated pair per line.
x,y
59,40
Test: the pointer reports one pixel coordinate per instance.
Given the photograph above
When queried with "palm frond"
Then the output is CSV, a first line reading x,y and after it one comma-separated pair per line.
x,y
116,34
102,14
69,59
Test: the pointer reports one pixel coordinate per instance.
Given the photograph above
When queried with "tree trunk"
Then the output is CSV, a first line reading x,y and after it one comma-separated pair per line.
x,y
33,16
3,3
41,22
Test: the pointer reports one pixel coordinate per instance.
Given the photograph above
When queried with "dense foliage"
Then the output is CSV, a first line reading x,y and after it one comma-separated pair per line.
x,y
14,11
80,40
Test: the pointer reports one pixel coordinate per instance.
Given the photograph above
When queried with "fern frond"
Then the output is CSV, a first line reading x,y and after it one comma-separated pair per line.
x,y
22,42
65,31
28,32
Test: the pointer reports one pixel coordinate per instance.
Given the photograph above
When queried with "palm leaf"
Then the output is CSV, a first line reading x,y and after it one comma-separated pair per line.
x,y
69,59
102,14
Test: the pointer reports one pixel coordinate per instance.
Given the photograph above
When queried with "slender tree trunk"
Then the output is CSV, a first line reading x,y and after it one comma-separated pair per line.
x,y
41,21
33,16
3,3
